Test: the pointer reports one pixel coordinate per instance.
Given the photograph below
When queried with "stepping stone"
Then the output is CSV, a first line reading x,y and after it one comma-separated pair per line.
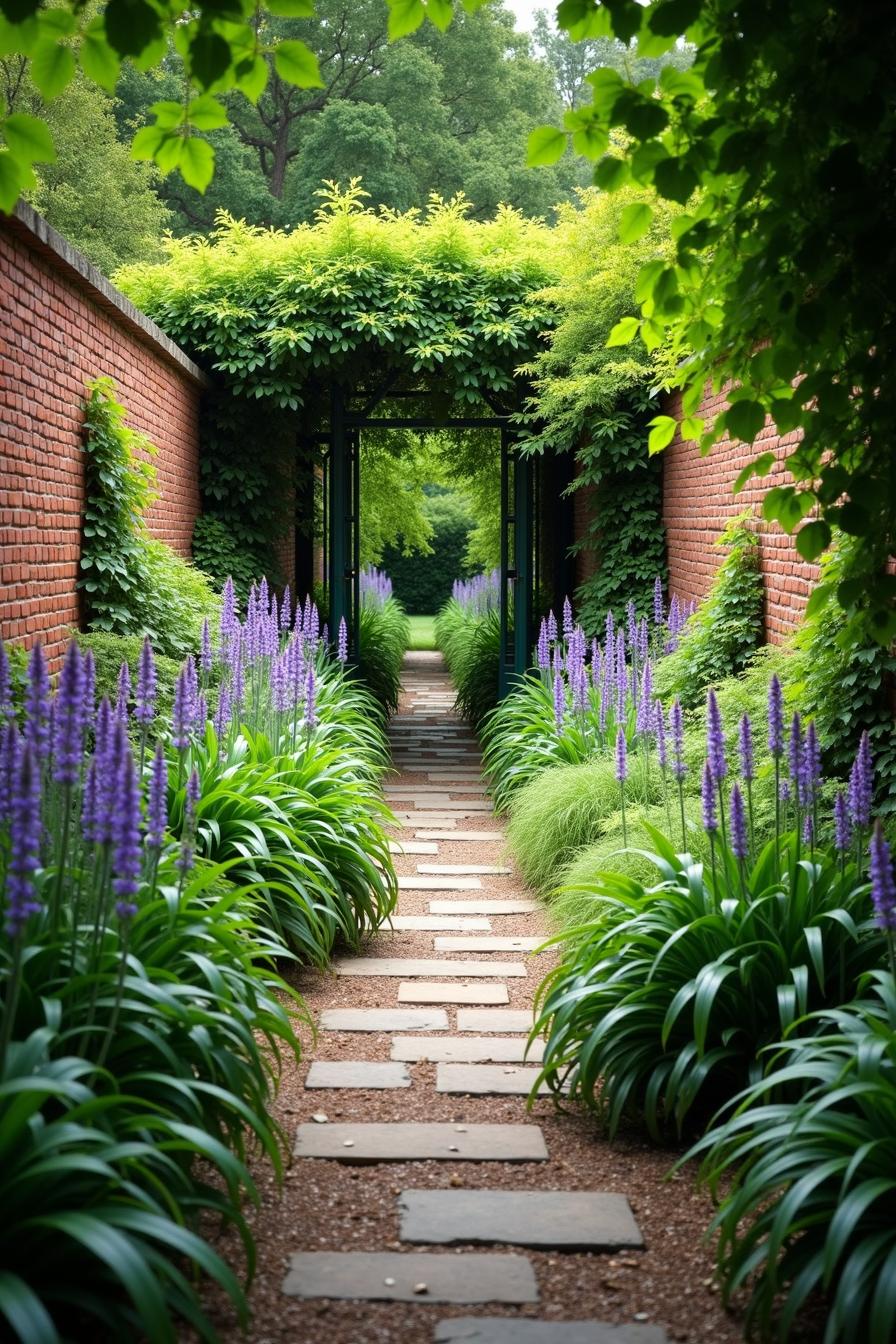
x,y
458,869
487,1080
444,834
460,970
413,847
433,923
426,800
556,1220
360,1143
421,992
443,820
450,806
414,882
495,1019
495,943
514,1330
461,1050
485,907
396,1276
384,1019
378,1074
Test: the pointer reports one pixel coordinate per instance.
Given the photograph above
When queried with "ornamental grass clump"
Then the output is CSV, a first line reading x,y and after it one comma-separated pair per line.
x,y
142,1026
664,1002
468,633
385,636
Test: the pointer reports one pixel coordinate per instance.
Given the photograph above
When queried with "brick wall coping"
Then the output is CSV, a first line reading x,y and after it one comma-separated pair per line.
x,y
25,223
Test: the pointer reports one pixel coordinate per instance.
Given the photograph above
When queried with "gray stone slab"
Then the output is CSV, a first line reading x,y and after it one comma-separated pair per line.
x,y
461,869
435,923
557,1220
441,833
417,882
395,1276
421,992
413,847
414,819
495,1019
488,1080
363,1073
512,1330
483,907
470,806
414,799
459,970
488,943
466,1049
384,1019
364,1143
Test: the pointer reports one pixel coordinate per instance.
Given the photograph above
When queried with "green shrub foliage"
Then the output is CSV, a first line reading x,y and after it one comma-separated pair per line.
x,y
471,644
423,582
385,638
725,629
133,585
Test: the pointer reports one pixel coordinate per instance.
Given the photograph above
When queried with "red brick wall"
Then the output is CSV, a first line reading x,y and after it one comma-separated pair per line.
x,y
698,500
62,324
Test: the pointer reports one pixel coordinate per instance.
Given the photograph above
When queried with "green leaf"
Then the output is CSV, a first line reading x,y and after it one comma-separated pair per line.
x,y
291,9
745,419
297,64
52,67
405,16
131,26
19,10
546,145
209,57
590,141
25,1312
168,114
625,330
634,222
813,538
98,61
29,138
440,12
760,466
206,113
13,180
611,173
147,142
672,18
662,433
821,595
692,427
252,77
675,180
196,163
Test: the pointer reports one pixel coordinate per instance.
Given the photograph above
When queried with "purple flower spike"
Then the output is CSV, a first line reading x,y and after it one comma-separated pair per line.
x,y
543,647
228,614
795,757
206,653
609,631
676,727
88,686
708,799
715,739
883,885
223,713
90,803
342,644
631,623
552,627
285,611
37,705
310,696
157,801
25,840
745,748
784,790
842,823
145,699
567,618
808,829
126,854
659,610
659,728
621,757
861,785
739,847
124,691
644,718
775,718
68,720
559,702
10,748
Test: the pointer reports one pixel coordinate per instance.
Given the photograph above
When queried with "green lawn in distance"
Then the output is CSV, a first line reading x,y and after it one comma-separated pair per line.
x,y
423,632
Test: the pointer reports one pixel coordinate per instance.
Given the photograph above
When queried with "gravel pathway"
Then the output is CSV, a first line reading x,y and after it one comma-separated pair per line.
x,y
661,1290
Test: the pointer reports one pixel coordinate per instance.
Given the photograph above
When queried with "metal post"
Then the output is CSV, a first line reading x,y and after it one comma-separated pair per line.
x,y
355,582
339,486
506,523
522,556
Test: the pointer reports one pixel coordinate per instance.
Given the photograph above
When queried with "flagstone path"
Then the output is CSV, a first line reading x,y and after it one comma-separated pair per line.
x,y
425,1203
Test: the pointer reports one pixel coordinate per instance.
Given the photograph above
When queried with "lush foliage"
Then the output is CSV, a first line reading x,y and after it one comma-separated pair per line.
x,y
804,1171
468,632
596,401
807,338
423,583
385,635
726,628
133,584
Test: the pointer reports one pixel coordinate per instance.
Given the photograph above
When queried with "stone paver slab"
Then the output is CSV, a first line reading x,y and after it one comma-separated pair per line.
x,y
486,1080
495,1019
413,819
393,1276
413,847
483,907
460,869
558,1220
384,1019
442,834
466,1049
435,923
408,966
421,992
418,882
365,1073
487,943
511,1330
363,1143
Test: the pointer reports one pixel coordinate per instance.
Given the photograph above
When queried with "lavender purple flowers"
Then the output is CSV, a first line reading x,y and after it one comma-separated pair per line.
x,y
715,740
883,885
68,720
25,842
861,786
